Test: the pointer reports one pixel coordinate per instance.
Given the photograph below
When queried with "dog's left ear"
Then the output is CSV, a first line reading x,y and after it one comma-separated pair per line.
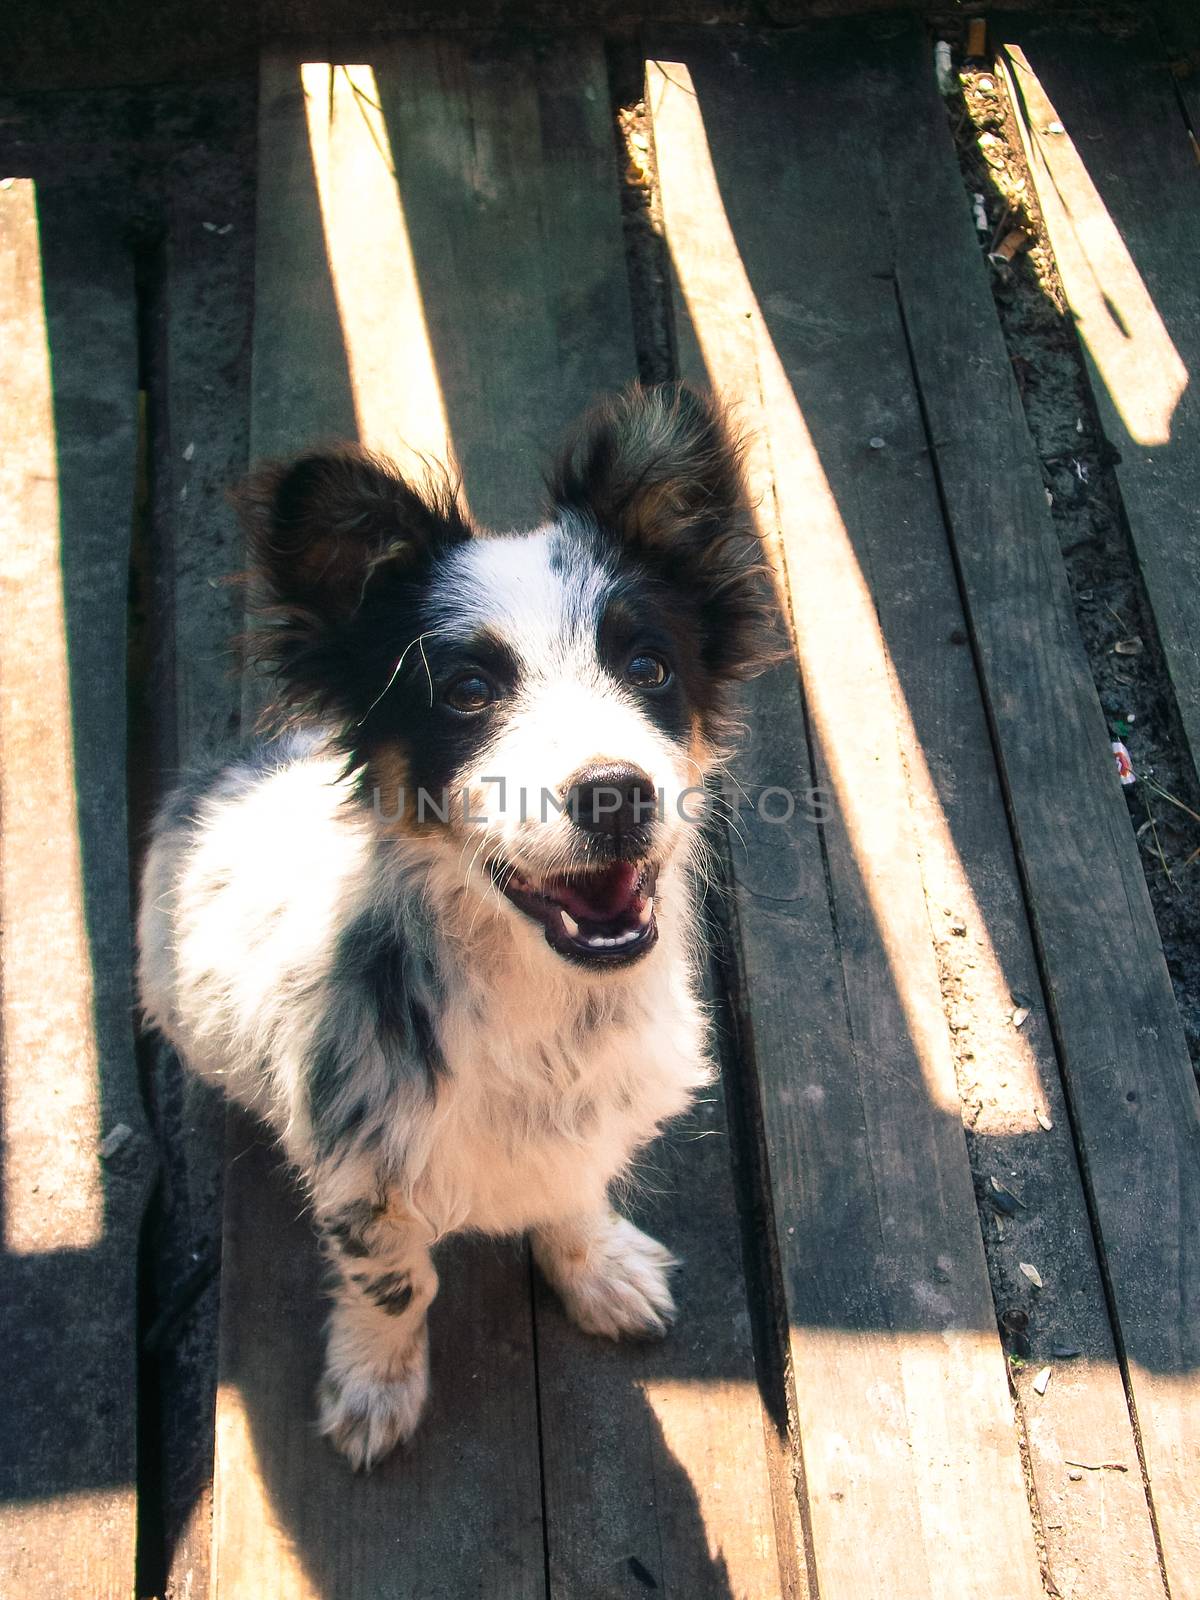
x,y
659,470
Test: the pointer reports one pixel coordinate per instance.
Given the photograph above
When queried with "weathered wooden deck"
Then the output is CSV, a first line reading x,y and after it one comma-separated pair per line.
x,y
851,1406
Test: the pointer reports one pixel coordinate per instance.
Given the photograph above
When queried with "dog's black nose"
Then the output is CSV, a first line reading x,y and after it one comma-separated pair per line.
x,y
613,800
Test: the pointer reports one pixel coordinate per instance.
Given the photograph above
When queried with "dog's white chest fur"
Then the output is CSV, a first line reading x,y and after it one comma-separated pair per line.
x,y
542,1111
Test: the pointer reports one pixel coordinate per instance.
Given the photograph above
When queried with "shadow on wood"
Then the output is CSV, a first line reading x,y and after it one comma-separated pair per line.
x,y
71,1221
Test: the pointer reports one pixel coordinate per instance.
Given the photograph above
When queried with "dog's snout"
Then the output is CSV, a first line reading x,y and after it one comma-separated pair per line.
x,y
612,800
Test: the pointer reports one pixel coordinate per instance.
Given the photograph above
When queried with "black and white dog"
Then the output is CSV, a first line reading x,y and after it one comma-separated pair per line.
x,y
441,933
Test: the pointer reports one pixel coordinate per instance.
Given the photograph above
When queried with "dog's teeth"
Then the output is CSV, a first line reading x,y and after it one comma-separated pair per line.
x,y
646,912
570,925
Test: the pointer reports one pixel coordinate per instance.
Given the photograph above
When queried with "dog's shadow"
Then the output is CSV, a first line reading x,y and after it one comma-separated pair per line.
x,y
541,1460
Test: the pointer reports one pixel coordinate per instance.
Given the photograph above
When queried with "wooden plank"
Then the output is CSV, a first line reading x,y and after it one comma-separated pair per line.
x,y
461,228
1179,28
71,1221
904,1417
504,157
199,296
290,1520
1096,1535
1125,1064
1118,191
654,1456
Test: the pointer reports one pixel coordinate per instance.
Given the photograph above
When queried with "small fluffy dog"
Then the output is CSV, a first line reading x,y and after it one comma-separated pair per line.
x,y
441,933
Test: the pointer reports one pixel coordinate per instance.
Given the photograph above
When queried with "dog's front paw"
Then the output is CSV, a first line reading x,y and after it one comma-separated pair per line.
x,y
365,1414
618,1286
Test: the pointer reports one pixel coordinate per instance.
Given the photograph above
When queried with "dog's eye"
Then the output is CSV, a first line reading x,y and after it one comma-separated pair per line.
x,y
469,693
647,672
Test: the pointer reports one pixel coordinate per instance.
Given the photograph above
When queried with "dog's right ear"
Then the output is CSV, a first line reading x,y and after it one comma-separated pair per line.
x,y
330,535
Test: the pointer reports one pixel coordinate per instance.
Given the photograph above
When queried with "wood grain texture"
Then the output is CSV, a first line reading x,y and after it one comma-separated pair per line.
x,y
461,1511
654,1455
444,215
1128,1077
1096,1532
71,1220
199,433
850,367
903,1413
1118,191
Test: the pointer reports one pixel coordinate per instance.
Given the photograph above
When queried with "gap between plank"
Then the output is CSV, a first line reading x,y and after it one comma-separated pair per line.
x,y
538,1419
152,732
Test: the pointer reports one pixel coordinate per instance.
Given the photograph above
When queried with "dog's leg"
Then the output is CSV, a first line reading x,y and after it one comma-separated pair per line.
x,y
611,1277
376,1377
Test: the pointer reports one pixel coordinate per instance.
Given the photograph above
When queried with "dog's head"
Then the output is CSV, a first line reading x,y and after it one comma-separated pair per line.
x,y
545,705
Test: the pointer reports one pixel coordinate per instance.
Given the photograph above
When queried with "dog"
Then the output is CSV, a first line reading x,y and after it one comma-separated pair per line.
x,y
441,931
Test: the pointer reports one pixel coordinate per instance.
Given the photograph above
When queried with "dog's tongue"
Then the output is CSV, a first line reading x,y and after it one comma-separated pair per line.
x,y
596,895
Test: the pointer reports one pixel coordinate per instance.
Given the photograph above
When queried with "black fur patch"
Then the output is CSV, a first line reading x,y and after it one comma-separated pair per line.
x,y
391,1292
409,711
399,988
347,1228
380,986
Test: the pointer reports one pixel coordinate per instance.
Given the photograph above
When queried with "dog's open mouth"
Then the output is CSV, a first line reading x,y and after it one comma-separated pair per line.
x,y
599,915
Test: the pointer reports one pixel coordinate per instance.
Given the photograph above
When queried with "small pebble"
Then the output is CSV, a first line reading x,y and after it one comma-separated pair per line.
x,y
1064,1352
1041,1381
876,442
1019,1016
115,1139
1043,1120
1075,1475
1055,127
